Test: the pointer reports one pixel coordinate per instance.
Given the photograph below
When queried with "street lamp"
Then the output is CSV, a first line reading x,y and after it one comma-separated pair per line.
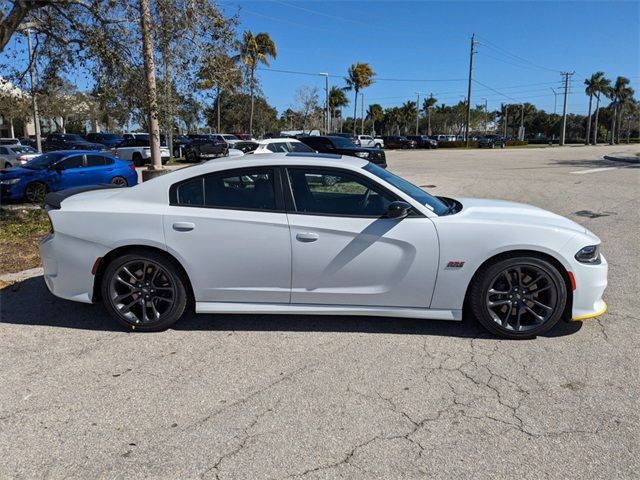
x,y
486,115
326,101
26,27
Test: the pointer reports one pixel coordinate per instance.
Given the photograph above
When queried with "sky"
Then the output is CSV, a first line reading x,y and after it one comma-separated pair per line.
x,y
522,47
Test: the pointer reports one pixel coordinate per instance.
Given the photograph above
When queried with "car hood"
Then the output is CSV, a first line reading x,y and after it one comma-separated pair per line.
x,y
515,213
18,172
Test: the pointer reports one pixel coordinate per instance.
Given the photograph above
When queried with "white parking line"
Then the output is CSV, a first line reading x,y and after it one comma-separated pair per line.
x,y
594,170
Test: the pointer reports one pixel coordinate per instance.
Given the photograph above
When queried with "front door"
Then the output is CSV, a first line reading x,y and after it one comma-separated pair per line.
x,y
345,252
230,232
70,173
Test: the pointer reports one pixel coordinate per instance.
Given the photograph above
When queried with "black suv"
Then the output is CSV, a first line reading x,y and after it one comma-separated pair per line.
x,y
491,141
342,146
69,141
423,141
204,149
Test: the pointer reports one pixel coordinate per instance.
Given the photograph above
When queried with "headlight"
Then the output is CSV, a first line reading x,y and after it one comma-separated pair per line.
x,y
10,181
362,154
590,254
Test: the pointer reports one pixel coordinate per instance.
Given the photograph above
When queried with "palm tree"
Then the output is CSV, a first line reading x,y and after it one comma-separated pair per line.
x,y
255,49
337,100
620,94
360,75
375,114
427,105
601,86
409,111
591,90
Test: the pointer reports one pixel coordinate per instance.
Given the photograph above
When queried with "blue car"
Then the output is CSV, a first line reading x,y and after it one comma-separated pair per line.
x,y
64,169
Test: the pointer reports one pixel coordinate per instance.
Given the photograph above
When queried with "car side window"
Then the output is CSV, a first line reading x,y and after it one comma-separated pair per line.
x,y
332,192
246,190
3,151
71,162
98,161
279,147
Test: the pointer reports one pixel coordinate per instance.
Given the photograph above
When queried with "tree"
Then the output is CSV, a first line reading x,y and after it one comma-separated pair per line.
x,y
255,49
337,100
409,110
220,72
428,105
620,94
597,85
359,76
375,114
306,105
234,107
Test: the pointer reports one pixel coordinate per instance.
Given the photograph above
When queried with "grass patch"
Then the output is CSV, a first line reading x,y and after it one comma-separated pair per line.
x,y
20,233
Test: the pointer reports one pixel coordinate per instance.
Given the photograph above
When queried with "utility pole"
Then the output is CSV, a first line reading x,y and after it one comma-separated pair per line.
x,y
361,115
566,76
326,102
521,129
417,111
34,102
149,68
505,109
555,100
486,115
471,52
429,117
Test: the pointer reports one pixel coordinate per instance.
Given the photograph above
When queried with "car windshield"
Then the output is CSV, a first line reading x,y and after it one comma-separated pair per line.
x,y
43,161
24,149
111,136
229,137
74,138
419,195
342,142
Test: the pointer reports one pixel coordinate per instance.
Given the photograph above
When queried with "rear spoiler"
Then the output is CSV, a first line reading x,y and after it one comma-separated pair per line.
x,y
53,200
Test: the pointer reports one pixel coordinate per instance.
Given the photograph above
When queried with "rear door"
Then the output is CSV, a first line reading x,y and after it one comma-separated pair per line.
x,y
344,250
230,231
99,169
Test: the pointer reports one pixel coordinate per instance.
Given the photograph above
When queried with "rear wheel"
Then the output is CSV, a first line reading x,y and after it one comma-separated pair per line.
x,y
7,165
137,159
378,145
144,291
35,192
518,297
120,181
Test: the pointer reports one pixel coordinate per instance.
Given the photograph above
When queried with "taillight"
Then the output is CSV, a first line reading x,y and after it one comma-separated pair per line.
x,y
132,166
115,153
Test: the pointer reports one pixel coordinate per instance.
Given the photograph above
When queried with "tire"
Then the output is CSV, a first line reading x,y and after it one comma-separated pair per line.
x,y
512,294
377,145
493,145
120,181
137,159
7,165
35,192
503,145
168,299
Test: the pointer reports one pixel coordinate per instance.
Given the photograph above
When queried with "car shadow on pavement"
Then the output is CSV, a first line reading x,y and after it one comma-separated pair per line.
x,y
598,163
29,303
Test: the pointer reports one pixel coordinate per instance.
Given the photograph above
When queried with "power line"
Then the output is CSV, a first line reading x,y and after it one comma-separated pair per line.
x,y
493,46
377,79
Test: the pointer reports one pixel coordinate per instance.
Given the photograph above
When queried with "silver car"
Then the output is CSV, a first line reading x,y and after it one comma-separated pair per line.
x,y
16,155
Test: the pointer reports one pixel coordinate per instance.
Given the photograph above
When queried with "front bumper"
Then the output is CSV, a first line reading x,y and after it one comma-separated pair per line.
x,y
591,281
12,192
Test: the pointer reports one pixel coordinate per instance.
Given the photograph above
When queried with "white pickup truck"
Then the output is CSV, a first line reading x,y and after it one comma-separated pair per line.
x,y
367,141
138,151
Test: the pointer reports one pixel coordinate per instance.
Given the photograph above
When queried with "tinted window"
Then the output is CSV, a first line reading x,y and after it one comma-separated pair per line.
x,y
342,142
98,160
247,189
71,162
331,192
43,161
278,147
299,147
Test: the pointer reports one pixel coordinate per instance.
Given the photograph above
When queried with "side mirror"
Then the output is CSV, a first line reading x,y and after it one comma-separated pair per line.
x,y
398,210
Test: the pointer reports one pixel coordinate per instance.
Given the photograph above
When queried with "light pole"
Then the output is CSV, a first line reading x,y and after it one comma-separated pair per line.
x,y
555,100
486,115
32,75
327,118
417,111
362,115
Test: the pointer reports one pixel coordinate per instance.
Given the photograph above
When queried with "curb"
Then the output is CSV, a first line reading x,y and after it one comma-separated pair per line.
x,y
20,276
623,158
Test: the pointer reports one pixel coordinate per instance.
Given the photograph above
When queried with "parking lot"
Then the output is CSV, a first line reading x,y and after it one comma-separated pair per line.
x,y
247,396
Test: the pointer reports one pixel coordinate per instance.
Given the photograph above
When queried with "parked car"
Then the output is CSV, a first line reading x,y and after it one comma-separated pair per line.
x,y
16,155
491,141
68,141
423,141
342,146
9,141
349,136
379,142
281,145
108,139
180,143
64,169
205,149
368,141
398,141
138,151
29,141
243,136
370,244
443,138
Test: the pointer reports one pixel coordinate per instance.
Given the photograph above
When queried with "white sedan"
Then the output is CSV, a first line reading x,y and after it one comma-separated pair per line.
x,y
267,235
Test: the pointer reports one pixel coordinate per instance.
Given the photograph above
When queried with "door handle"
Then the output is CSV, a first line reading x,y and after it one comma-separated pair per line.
x,y
183,226
307,237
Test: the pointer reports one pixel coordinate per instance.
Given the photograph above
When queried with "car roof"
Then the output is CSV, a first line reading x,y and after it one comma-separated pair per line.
x,y
268,141
76,152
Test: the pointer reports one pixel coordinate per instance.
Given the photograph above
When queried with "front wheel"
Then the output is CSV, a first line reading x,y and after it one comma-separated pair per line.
x,y
378,145
518,297
35,192
144,291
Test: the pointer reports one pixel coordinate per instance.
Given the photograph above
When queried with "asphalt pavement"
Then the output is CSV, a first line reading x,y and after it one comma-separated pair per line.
x,y
258,396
